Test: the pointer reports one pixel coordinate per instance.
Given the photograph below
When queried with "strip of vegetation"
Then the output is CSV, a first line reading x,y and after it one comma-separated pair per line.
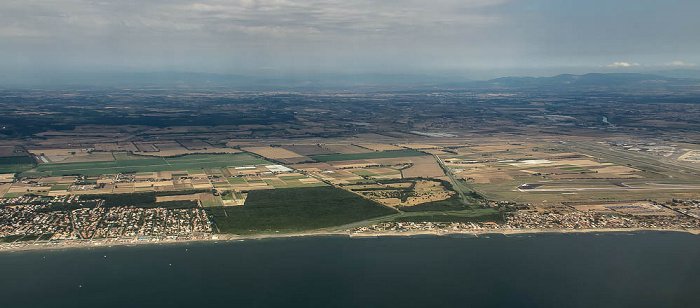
x,y
142,200
452,203
132,163
370,155
295,209
494,217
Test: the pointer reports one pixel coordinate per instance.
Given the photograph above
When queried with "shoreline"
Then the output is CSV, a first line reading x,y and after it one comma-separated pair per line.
x,y
216,238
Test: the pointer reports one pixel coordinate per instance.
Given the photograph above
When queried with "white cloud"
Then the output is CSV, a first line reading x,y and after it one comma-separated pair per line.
x,y
680,64
186,18
622,64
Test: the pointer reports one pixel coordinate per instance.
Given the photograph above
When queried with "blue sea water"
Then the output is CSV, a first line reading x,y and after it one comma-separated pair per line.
x,y
647,269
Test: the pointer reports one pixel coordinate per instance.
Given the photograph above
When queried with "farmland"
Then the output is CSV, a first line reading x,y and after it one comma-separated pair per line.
x,y
129,163
369,155
13,164
249,158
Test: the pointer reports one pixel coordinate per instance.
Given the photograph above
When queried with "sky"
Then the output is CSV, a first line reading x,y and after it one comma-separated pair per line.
x,y
474,38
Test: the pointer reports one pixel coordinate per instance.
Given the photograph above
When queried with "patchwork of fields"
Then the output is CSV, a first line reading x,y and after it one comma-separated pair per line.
x,y
123,163
368,155
318,185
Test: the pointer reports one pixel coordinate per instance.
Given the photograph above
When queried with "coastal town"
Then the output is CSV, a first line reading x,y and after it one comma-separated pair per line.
x,y
33,219
74,220
534,222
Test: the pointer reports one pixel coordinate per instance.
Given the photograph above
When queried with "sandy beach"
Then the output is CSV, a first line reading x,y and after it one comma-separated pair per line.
x,y
109,242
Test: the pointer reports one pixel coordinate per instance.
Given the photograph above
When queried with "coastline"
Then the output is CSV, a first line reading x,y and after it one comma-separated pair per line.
x,y
216,238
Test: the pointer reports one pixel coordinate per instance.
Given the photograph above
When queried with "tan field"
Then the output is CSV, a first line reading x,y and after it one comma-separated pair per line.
x,y
184,151
423,166
379,147
7,177
337,177
345,148
4,188
71,155
272,152
498,147
419,146
116,147
310,167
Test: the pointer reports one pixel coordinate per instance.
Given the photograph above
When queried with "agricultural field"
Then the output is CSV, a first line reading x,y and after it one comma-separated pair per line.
x,y
369,155
13,164
15,159
266,181
307,149
377,173
379,147
345,148
426,167
123,163
338,177
419,146
277,153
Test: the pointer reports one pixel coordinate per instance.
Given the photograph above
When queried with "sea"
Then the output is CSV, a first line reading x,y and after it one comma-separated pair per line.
x,y
641,269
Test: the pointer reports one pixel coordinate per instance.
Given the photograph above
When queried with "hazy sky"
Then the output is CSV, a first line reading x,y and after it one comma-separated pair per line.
x,y
347,36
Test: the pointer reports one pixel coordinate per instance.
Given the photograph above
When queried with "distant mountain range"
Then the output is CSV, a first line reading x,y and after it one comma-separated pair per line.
x,y
589,80
311,82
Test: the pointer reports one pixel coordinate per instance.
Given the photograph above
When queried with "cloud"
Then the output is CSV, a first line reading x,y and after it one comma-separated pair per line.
x,y
679,64
186,18
19,32
622,64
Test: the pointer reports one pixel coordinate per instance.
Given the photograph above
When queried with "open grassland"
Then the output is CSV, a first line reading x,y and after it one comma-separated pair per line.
x,y
272,152
295,209
370,155
129,163
403,193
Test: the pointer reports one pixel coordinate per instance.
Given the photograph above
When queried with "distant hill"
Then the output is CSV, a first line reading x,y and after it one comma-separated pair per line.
x,y
680,73
670,81
593,79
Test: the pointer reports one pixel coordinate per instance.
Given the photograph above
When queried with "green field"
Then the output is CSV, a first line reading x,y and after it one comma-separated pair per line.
x,y
14,164
295,209
129,163
237,180
356,156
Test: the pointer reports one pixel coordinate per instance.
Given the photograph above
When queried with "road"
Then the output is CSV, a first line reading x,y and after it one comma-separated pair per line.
x,y
456,184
